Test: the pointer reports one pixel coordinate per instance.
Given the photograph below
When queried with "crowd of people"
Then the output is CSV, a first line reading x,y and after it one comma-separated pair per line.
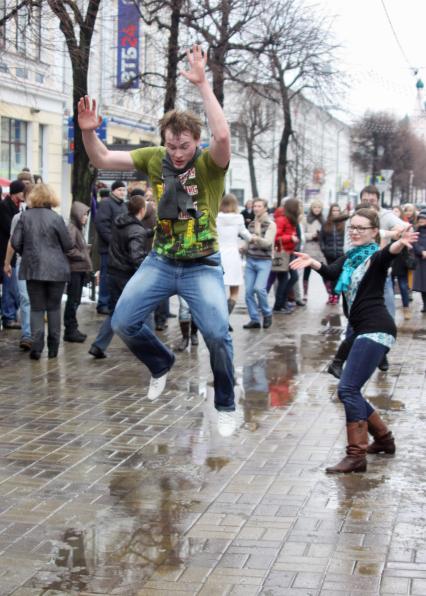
x,y
181,235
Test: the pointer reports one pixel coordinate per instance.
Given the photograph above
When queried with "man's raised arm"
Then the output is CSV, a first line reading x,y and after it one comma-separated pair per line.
x,y
220,145
99,155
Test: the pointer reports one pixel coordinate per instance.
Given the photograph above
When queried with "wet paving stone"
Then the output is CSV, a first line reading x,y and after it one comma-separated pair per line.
x,y
105,493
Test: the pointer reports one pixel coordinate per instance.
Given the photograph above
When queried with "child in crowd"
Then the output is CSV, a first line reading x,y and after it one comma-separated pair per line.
x,y
80,265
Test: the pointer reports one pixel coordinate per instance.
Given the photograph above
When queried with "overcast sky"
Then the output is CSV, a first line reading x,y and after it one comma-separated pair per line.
x,y
379,75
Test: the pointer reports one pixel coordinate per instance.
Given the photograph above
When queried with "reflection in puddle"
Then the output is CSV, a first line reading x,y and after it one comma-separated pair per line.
x,y
142,531
71,558
355,486
384,402
269,383
332,320
217,463
370,569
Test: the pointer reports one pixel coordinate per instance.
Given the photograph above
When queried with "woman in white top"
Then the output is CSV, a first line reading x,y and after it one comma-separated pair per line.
x,y
230,228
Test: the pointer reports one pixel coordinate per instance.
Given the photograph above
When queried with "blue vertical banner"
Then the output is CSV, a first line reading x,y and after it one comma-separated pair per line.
x,y
128,45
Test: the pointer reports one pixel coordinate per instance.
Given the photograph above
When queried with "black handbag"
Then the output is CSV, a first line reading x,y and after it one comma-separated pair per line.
x,y
411,262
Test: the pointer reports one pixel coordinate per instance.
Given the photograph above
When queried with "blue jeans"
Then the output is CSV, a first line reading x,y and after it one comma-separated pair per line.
x,y
364,357
403,288
105,334
255,279
389,296
25,306
201,285
286,280
10,297
103,296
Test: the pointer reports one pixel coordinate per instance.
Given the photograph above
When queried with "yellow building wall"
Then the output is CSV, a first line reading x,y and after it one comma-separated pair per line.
x,y
53,140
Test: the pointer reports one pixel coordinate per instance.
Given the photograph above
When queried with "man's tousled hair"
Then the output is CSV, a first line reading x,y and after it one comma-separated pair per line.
x,y
178,122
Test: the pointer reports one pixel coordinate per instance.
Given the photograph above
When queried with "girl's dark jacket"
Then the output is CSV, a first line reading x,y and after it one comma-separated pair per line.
x,y
79,256
368,313
419,283
42,239
130,242
331,242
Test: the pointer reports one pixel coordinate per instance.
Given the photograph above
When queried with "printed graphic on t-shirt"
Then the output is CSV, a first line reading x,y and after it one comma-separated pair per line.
x,y
186,238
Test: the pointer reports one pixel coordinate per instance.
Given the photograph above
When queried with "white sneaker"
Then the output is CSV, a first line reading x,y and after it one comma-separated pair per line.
x,y
226,423
156,387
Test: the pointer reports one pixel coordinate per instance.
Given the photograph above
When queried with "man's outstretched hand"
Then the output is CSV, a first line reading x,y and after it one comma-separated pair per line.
x,y
197,60
88,118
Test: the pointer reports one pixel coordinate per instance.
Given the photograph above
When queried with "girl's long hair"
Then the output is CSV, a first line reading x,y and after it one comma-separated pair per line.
x,y
291,210
330,222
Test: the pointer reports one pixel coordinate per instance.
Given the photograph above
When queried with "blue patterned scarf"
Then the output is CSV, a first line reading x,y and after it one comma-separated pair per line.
x,y
354,258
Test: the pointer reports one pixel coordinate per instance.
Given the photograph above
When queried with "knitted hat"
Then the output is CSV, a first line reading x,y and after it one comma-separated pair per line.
x,y
118,184
422,214
104,192
16,186
137,191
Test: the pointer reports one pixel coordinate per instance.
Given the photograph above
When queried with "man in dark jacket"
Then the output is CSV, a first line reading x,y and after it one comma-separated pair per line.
x,y
130,243
108,209
10,294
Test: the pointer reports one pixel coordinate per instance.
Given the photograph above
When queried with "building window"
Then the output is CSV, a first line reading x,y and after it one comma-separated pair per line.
x,y
22,73
238,144
13,152
3,27
21,23
239,193
37,32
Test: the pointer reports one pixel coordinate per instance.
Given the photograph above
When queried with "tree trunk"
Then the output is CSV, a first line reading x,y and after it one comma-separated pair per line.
x,y
282,187
219,55
282,164
250,159
83,176
172,56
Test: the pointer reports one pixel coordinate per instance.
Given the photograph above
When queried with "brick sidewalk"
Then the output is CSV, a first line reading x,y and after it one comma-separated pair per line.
x,y
103,492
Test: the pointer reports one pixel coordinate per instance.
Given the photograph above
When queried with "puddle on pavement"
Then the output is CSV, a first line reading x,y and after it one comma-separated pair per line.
x,y
70,560
269,382
384,402
216,463
333,320
134,537
370,569
354,486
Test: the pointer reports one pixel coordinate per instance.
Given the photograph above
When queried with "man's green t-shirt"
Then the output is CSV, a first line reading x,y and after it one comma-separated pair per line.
x,y
205,183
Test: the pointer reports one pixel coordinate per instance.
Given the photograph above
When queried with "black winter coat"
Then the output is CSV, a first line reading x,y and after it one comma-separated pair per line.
x,y
419,283
368,313
42,239
129,245
331,242
106,212
8,210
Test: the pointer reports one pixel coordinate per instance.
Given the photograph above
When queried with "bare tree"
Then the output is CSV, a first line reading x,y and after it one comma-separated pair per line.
x,y
225,26
77,29
297,57
255,120
167,15
380,141
373,140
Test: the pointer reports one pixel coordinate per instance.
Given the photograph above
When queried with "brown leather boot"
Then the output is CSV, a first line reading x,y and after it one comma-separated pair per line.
x,y
355,460
383,437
